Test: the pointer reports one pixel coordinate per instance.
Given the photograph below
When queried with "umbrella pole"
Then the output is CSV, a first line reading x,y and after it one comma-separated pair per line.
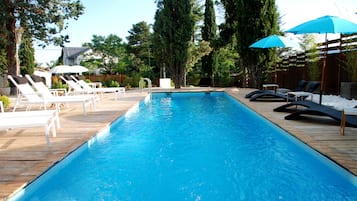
x,y
275,73
323,70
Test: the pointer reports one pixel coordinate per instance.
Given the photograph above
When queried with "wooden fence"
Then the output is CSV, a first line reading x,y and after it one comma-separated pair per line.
x,y
100,78
104,78
296,67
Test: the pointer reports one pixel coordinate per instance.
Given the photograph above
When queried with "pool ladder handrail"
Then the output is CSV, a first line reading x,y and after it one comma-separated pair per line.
x,y
141,84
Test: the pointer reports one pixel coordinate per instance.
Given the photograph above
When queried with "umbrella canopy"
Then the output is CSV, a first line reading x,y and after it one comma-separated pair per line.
x,y
79,69
324,25
274,41
61,69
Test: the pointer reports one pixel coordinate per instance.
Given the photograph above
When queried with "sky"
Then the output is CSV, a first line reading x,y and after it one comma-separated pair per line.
x,y
104,17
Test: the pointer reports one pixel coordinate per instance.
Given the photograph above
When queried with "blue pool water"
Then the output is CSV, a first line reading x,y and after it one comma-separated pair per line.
x,y
193,146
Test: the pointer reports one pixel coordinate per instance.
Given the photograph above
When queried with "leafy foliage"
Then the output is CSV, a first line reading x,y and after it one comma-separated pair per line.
x,y
196,52
139,47
109,53
173,31
5,101
248,27
44,19
209,30
3,62
26,55
308,43
226,59
58,84
350,62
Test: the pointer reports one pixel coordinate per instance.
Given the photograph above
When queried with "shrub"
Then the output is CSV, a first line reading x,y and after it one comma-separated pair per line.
x,y
57,84
132,81
5,101
114,83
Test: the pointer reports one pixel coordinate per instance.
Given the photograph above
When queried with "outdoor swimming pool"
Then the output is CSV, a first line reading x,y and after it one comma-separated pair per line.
x,y
193,146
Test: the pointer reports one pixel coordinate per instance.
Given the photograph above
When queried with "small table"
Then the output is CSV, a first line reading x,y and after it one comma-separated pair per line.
x,y
298,94
346,111
274,86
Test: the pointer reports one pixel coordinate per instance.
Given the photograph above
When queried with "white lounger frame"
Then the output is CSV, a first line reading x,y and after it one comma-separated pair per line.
x,y
48,119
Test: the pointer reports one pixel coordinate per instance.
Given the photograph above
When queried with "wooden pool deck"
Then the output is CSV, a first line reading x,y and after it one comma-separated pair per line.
x,y
24,154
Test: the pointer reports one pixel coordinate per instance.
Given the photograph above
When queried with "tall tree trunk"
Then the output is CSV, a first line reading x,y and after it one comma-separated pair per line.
x,y
177,75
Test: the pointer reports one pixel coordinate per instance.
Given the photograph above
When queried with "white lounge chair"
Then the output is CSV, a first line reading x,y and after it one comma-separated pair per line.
x,y
49,93
39,85
83,88
86,86
44,118
27,95
75,88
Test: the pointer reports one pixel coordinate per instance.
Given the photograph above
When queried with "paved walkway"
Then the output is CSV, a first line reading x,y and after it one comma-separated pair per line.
x,y
24,154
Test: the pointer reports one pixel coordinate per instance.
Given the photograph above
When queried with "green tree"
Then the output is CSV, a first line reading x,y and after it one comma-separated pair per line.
x,y
228,29
226,60
174,30
45,21
248,27
349,59
3,62
109,53
26,55
197,16
309,45
158,44
3,41
139,41
196,52
209,30
140,49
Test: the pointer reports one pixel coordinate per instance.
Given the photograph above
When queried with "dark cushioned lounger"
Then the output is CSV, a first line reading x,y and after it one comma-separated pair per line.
x,y
316,109
272,96
300,87
279,90
291,107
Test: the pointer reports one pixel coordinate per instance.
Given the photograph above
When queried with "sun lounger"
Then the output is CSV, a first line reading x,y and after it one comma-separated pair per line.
x,y
40,86
292,107
300,87
27,95
81,87
75,88
49,93
272,96
101,90
48,119
312,108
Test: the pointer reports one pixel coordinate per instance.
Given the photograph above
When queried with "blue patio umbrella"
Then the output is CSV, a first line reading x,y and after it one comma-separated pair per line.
x,y
274,41
324,25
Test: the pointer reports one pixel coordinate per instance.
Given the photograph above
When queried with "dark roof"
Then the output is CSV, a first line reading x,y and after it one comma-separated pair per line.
x,y
73,52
